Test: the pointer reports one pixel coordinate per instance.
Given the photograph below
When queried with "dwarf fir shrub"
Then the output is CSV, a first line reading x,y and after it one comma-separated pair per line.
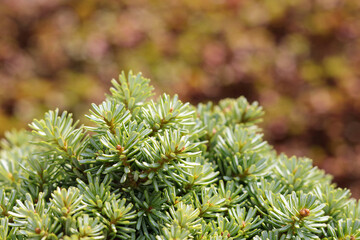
x,y
161,170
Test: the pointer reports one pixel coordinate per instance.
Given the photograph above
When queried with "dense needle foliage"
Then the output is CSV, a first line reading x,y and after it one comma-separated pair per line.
x,y
163,169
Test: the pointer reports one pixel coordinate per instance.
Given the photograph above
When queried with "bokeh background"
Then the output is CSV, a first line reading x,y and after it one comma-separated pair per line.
x,y
299,58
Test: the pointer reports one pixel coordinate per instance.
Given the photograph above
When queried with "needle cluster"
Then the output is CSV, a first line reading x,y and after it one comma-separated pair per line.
x,y
160,170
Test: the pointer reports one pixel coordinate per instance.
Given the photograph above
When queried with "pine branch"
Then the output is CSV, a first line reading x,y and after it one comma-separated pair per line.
x,y
132,91
60,135
108,116
299,174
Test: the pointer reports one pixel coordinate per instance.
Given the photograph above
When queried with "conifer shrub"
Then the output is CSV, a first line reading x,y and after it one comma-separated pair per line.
x,y
163,169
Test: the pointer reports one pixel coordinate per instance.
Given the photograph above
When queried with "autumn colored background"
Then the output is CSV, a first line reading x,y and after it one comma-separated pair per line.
x,y
299,58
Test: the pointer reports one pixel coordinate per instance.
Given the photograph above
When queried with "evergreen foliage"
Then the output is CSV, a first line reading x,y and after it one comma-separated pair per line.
x,y
163,170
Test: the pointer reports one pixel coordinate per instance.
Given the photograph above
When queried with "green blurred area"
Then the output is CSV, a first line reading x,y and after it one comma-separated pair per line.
x,y
299,59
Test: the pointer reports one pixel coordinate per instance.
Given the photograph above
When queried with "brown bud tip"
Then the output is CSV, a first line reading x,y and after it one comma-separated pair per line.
x,y
37,230
118,147
304,212
243,224
352,237
214,131
171,109
228,235
227,109
222,233
183,148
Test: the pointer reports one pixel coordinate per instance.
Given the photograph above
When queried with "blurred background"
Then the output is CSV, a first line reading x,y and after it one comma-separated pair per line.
x,y
299,58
